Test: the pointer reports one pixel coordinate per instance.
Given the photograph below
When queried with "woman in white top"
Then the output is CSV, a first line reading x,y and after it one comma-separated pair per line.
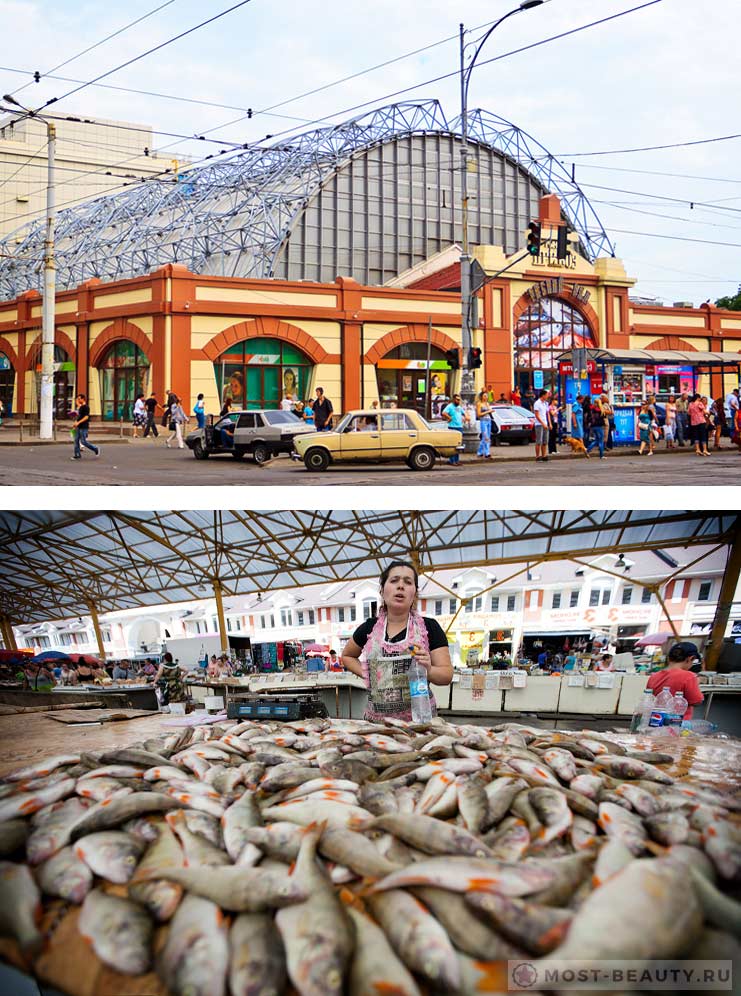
x,y
140,415
178,419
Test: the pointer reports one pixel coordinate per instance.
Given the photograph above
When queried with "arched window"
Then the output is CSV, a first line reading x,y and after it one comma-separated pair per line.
x,y
64,383
124,371
7,382
546,329
402,378
257,373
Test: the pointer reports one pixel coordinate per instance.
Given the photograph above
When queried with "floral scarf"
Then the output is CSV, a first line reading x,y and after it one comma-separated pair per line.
x,y
385,666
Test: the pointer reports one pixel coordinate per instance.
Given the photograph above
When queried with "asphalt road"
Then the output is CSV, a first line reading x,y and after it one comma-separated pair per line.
x,y
142,462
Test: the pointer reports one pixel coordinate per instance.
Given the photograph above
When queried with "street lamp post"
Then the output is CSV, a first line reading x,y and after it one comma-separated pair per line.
x,y
46,401
467,383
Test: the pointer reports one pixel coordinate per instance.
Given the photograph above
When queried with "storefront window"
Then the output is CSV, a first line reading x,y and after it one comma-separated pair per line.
x,y
64,383
257,373
7,380
403,379
124,372
547,328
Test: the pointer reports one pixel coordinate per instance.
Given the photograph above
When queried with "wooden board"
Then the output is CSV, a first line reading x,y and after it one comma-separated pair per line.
x,y
97,715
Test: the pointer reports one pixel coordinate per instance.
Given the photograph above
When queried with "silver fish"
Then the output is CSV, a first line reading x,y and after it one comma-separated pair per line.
x,y
236,888
111,854
25,803
195,958
119,931
237,819
42,768
375,966
257,966
159,896
65,875
537,928
462,873
20,906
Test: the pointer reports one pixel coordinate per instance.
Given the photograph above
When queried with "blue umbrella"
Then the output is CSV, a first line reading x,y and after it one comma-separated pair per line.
x,y
47,656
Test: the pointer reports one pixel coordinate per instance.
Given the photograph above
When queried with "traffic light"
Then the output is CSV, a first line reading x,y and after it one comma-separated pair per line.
x,y
562,242
533,238
454,359
474,357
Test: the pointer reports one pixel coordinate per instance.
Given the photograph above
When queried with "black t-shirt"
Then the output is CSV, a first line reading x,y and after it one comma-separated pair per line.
x,y
436,637
322,410
83,412
150,404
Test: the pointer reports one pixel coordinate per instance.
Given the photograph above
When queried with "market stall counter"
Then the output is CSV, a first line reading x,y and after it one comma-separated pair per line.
x,y
136,695
344,694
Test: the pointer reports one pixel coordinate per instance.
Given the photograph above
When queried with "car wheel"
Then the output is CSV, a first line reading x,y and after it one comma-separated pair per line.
x,y
260,453
316,459
423,458
199,452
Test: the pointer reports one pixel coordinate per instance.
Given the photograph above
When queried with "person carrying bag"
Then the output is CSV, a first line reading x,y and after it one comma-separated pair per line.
x,y
178,419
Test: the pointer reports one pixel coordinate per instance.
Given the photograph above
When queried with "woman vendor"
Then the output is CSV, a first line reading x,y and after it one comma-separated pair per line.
x,y
398,631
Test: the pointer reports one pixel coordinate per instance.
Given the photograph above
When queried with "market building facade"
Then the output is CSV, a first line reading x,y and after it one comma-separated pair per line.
x,y
255,340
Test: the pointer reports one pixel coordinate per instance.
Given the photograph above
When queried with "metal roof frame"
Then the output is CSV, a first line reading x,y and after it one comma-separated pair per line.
x,y
56,564
244,207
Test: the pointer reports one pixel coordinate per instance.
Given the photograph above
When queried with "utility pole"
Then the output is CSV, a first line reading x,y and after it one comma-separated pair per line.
x,y
48,311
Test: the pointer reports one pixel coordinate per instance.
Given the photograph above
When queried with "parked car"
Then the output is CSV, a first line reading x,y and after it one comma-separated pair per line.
x,y
261,434
372,436
516,424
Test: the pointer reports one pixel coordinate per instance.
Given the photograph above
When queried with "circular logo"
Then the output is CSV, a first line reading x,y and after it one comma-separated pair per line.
x,y
525,975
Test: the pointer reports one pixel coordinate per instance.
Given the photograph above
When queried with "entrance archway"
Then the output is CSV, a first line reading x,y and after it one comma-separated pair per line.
x,y
124,372
257,373
544,329
7,383
403,375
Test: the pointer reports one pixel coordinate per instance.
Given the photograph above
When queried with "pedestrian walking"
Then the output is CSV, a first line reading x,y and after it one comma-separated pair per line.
x,y
586,406
645,434
199,410
484,417
609,413
151,404
454,414
698,425
542,412
553,427
577,419
82,427
140,416
169,399
598,425
178,419
322,411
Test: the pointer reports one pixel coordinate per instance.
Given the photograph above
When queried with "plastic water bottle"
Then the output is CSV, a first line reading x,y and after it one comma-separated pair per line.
x,y
663,706
642,712
419,691
679,708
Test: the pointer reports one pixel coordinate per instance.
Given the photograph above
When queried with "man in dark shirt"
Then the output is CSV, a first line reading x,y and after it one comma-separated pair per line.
x,y
82,427
151,404
322,411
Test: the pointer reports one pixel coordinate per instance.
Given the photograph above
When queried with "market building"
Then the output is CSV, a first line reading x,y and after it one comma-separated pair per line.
x,y
334,261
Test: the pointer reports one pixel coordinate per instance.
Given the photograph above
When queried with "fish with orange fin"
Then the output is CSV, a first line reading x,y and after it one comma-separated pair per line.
x,y
195,958
537,928
376,969
460,873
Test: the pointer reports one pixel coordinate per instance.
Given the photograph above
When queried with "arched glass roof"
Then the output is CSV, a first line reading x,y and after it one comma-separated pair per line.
x,y
306,208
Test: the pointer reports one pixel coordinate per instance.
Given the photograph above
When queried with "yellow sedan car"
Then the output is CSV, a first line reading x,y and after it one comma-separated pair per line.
x,y
372,435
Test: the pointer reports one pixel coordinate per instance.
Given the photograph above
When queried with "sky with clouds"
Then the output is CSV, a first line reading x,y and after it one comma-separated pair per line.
x,y
664,74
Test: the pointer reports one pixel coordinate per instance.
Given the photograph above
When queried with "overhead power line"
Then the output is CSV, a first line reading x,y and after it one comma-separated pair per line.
x,y
102,41
648,148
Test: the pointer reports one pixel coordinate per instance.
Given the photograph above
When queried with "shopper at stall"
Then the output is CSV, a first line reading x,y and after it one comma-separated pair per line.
x,y
605,663
720,421
677,677
122,671
397,631
683,419
698,425
334,663
169,680
149,669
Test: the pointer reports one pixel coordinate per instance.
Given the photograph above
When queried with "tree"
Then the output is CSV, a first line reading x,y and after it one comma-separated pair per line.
x,y
732,303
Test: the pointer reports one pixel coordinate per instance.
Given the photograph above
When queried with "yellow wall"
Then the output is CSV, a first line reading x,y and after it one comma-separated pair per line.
x,y
140,296
423,306
244,296
203,381
672,321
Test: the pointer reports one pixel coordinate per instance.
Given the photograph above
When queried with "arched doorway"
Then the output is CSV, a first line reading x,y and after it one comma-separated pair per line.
x,y
124,371
64,383
548,327
256,373
7,383
403,375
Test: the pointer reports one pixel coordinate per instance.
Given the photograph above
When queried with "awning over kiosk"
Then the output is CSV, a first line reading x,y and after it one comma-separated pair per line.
x,y
669,357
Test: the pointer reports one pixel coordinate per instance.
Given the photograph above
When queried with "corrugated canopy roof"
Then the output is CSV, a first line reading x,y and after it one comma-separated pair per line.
x,y
676,357
53,563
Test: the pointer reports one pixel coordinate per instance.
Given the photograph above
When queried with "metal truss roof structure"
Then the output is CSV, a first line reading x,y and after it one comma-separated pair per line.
x,y
56,564
270,211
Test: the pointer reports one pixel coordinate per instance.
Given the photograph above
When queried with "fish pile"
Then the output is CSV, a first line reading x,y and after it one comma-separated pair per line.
x,y
346,856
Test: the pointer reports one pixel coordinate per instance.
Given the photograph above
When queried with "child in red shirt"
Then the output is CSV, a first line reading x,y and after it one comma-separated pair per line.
x,y
677,677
